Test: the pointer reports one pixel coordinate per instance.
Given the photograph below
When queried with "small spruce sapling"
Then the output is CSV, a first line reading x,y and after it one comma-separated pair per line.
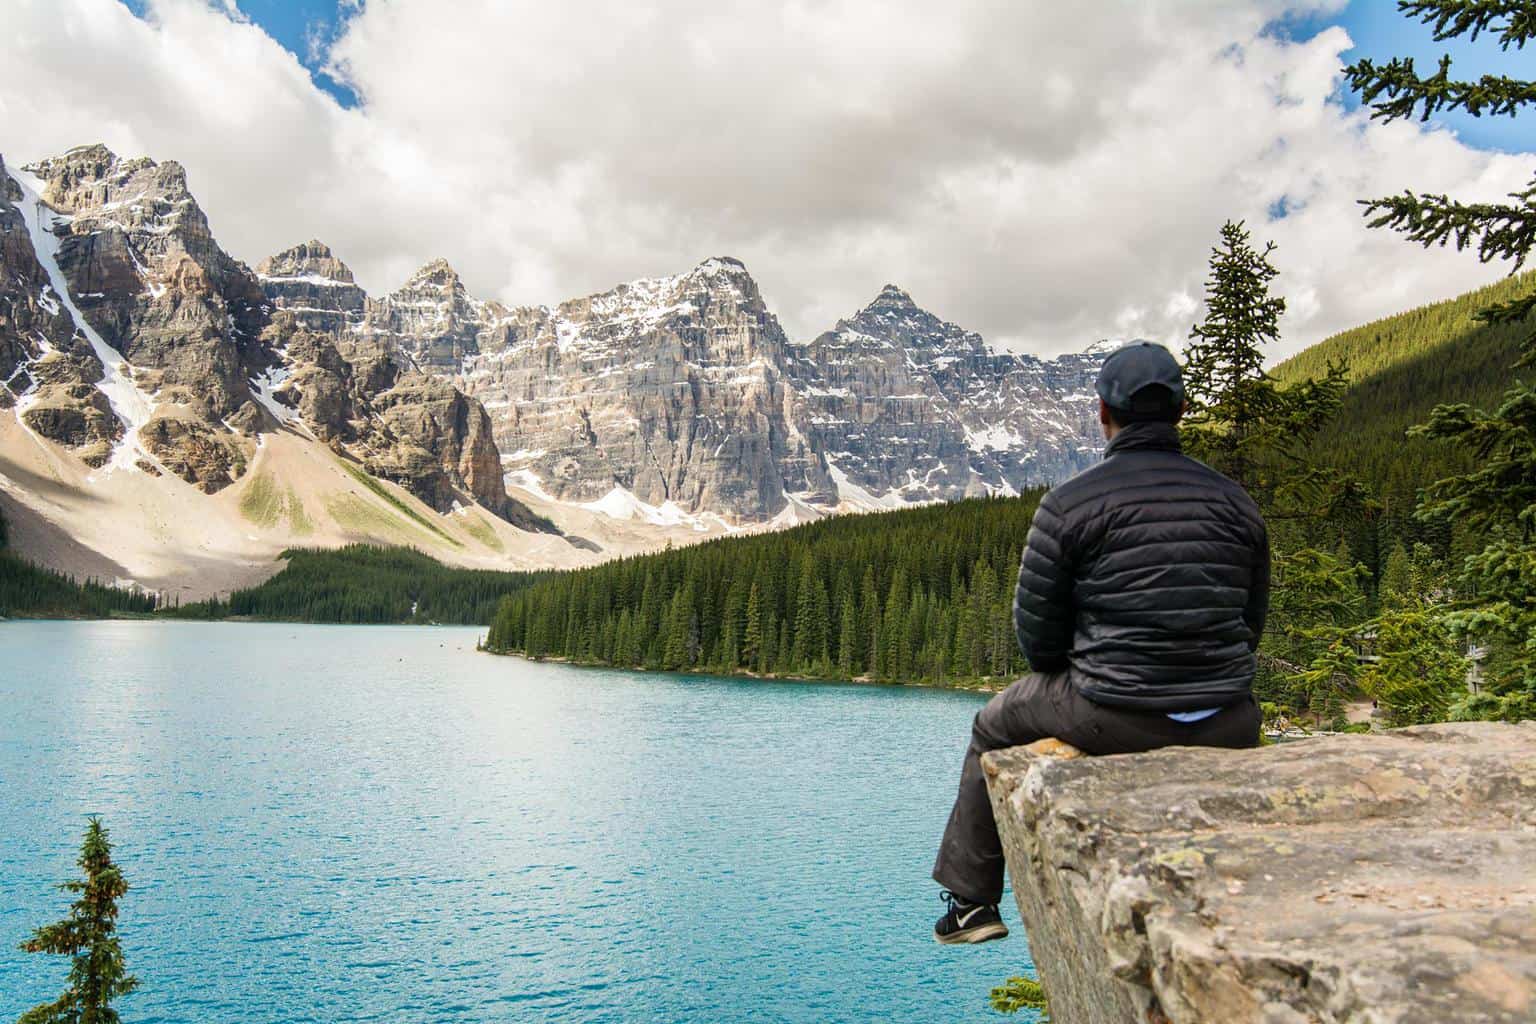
x,y
97,974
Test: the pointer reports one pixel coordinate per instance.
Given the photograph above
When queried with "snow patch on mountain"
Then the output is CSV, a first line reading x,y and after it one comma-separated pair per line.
x,y
129,404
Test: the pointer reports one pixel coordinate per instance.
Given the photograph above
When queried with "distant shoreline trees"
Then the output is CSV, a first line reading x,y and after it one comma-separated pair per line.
x,y
917,595
366,584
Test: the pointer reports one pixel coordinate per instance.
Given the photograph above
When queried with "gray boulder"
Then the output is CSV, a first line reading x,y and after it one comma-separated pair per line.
x,y
1374,879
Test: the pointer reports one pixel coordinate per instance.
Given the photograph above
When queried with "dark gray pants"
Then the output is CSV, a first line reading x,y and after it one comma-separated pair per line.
x,y
970,861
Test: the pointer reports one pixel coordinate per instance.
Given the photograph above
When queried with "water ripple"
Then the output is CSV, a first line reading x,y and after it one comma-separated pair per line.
x,y
354,823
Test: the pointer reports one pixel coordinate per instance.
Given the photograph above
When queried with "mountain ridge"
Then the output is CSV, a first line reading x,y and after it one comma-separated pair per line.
x,y
148,371
640,369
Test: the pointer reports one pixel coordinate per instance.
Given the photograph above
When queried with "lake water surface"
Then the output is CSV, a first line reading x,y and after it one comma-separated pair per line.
x,y
327,823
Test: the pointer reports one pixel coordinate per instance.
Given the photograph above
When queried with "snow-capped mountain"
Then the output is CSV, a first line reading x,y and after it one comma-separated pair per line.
x,y
131,343
665,393
905,407
675,397
147,374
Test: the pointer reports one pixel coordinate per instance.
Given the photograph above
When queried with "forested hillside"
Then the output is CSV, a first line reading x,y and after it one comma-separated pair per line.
x,y
918,595
362,583
1400,368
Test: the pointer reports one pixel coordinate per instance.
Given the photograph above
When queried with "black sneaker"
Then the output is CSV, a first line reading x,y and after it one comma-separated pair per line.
x,y
968,922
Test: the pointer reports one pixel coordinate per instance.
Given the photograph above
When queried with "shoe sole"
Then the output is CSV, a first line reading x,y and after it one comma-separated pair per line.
x,y
981,933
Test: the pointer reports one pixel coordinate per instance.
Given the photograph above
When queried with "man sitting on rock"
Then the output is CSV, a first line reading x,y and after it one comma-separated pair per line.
x,y
1141,597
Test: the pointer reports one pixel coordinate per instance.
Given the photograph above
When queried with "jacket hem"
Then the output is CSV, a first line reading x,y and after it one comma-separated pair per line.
x,y
1178,699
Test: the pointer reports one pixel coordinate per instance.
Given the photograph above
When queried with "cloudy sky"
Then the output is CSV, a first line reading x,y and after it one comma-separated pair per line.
x,y
1042,172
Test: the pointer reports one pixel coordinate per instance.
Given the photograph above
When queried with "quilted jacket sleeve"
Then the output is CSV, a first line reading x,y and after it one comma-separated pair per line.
x,y
1043,617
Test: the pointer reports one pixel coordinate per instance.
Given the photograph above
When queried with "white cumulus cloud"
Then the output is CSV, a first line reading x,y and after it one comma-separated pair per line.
x,y
1044,173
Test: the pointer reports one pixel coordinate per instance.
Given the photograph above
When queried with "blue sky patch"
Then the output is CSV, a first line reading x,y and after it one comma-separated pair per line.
x,y
305,28
1381,33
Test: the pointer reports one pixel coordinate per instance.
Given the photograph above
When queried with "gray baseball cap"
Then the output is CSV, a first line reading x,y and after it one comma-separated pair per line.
x,y
1140,364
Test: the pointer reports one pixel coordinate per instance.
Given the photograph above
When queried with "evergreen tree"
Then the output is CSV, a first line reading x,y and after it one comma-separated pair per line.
x,y
767,659
1497,498
682,644
804,651
752,634
965,631
869,611
97,974
1316,612
732,623
1230,396
1418,673
1396,577
849,664
1257,431
893,630
820,643
624,639
1021,993
1241,420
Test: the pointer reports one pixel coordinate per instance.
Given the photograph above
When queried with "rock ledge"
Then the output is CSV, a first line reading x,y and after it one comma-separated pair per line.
x,y
1380,879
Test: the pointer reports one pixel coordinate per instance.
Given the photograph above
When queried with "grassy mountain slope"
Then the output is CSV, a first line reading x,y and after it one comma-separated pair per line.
x,y
1401,367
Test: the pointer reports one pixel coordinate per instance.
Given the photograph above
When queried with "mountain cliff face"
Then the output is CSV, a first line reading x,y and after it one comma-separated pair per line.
x,y
360,392
51,373
431,319
666,394
131,340
168,319
906,407
681,396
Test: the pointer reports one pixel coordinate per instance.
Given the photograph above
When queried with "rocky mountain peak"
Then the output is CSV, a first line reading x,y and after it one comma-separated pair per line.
x,y
727,265
892,299
721,288
91,177
144,212
311,259
893,318
309,283
170,319
438,273
431,319
1104,346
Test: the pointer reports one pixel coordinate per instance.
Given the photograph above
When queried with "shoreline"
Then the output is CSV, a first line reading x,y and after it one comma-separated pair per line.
x,y
987,688
236,619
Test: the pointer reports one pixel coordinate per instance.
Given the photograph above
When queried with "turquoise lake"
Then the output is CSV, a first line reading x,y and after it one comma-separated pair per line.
x,y
331,823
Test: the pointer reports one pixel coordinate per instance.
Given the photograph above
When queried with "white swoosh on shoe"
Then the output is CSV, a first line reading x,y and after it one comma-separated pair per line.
x,y
963,919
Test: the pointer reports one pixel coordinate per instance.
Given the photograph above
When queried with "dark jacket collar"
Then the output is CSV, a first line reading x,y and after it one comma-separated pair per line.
x,y
1162,437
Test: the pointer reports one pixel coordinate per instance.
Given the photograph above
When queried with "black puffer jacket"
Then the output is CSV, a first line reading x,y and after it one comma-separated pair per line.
x,y
1147,576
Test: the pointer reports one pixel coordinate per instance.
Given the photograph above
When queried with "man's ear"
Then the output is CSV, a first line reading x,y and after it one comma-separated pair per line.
x,y
1104,413
1183,410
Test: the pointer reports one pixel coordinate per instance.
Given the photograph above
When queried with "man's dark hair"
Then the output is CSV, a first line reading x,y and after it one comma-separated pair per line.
x,y
1151,404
